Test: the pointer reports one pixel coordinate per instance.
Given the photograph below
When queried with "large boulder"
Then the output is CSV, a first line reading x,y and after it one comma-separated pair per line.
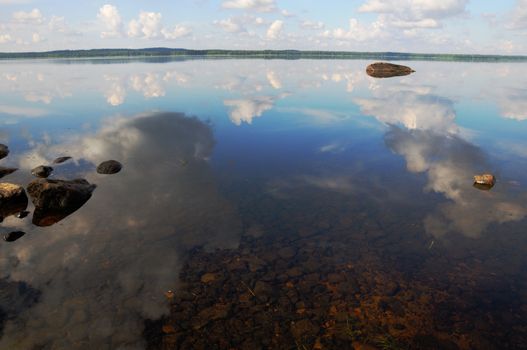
x,y
387,70
56,199
13,199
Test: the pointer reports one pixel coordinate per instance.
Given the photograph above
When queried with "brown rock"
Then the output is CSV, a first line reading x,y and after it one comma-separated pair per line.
x,y
61,160
13,199
42,171
484,181
286,253
215,312
208,277
387,70
56,199
303,328
109,167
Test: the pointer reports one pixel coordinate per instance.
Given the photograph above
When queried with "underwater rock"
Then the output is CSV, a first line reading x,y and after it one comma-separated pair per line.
x,y
42,171
109,167
61,160
484,181
13,199
56,199
13,236
4,151
387,70
6,171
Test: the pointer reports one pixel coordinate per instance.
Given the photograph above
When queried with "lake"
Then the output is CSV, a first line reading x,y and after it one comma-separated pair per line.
x,y
267,204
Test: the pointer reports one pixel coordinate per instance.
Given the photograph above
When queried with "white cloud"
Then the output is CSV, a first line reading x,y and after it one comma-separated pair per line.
x,y
22,111
275,29
230,25
148,25
415,13
312,25
413,110
34,16
110,17
5,38
245,110
518,16
513,104
357,31
179,31
274,80
149,84
35,38
255,5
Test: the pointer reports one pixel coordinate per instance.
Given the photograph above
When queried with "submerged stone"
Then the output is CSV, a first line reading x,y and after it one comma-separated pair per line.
x,y
13,236
42,171
387,70
484,181
4,151
61,160
109,167
13,199
6,171
56,199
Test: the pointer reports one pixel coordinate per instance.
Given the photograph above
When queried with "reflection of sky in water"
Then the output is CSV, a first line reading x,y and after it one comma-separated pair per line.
x,y
286,125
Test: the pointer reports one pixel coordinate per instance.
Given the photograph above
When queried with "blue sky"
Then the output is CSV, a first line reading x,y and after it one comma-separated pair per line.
x,y
452,26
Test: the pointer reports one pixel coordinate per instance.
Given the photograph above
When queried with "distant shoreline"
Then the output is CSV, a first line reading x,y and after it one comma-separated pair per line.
x,y
183,54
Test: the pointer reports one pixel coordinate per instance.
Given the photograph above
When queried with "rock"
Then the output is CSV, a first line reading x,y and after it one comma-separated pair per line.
x,y
109,167
13,236
6,171
61,160
387,70
215,312
4,151
484,181
22,214
286,253
208,277
42,171
13,199
303,328
56,199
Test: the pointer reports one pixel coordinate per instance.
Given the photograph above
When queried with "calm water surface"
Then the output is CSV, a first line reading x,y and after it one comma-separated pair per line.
x,y
268,204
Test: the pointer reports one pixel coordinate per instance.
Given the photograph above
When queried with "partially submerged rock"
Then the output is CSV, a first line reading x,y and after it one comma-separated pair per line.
x,y
13,236
56,199
22,214
61,160
109,167
13,199
387,70
6,171
4,151
42,171
484,181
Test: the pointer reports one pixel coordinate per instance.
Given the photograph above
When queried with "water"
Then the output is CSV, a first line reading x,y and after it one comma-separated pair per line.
x,y
268,204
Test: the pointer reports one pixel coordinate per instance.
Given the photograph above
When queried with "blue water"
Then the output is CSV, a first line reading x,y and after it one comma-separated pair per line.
x,y
237,159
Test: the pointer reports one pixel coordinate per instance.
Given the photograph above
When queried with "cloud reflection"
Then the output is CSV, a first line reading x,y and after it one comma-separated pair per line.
x,y
105,268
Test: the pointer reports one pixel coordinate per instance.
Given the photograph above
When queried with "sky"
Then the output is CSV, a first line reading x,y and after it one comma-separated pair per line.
x,y
436,26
